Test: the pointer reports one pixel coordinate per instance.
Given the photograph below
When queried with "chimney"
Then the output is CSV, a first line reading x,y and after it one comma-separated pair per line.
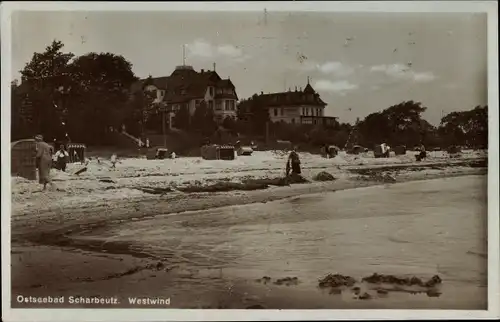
x,y
202,71
214,67
295,88
261,93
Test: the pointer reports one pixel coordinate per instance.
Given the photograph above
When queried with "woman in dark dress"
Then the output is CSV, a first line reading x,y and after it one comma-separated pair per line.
x,y
294,162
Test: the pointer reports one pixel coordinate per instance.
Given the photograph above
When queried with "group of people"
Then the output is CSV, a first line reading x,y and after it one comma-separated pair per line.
x,y
45,160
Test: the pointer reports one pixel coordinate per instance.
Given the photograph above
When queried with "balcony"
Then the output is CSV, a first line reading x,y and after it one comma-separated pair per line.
x,y
319,120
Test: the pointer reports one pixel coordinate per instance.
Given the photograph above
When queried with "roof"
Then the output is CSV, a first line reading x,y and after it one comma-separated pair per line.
x,y
185,84
291,98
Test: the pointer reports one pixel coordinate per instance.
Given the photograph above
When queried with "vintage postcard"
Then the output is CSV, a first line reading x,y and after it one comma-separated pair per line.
x,y
249,160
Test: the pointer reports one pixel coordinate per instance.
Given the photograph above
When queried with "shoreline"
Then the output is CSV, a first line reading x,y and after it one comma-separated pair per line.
x,y
59,221
104,272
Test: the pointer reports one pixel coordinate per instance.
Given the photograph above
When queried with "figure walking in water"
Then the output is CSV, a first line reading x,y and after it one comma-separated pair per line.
x,y
43,160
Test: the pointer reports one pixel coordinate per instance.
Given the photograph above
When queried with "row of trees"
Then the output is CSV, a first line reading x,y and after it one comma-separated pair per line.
x,y
80,96
88,95
85,96
400,124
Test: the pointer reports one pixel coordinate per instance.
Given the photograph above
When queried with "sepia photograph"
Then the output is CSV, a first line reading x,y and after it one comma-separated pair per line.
x,y
274,158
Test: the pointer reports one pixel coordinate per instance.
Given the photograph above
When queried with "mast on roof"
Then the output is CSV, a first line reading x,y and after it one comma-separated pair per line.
x,y
184,55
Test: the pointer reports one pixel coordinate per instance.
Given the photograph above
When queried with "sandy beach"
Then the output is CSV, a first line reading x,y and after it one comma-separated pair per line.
x,y
80,238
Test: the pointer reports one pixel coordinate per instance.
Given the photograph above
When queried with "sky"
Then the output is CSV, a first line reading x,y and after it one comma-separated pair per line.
x,y
360,63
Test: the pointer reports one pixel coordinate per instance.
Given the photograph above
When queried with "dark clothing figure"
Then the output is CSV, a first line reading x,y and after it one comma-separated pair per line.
x,y
61,159
422,155
294,162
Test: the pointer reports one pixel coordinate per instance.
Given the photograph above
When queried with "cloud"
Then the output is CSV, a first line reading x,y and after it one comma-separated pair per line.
x,y
203,49
338,87
401,71
334,67
424,77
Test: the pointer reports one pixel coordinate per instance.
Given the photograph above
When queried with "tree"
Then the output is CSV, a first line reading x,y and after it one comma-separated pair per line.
x,y
229,123
79,95
141,112
254,111
43,79
21,121
100,86
398,124
181,118
203,119
465,128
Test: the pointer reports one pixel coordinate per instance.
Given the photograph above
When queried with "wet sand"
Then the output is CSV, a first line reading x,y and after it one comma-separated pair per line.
x,y
48,261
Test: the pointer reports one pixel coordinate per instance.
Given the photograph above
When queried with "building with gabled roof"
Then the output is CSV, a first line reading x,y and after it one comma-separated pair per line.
x,y
296,107
187,88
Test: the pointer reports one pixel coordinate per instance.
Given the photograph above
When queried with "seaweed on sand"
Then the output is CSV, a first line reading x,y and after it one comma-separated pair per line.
x,y
336,280
224,187
391,279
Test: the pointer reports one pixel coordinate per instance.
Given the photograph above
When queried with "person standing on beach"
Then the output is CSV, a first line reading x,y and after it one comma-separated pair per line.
x,y
294,162
61,158
43,160
113,161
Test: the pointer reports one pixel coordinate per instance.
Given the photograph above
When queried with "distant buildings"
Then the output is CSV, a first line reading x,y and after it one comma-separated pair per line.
x,y
186,88
295,107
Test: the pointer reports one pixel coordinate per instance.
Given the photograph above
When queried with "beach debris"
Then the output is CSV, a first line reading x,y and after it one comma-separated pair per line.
x,y
433,293
223,187
391,279
336,280
106,180
434,281
82,170
154,190
324,176
365,296
280,181
388,178
296,178
265,279
287,281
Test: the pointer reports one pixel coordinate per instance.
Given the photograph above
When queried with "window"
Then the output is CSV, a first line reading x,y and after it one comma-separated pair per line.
x,y
211,104
218,105
183,92
282,111
293,120
275,112
211,91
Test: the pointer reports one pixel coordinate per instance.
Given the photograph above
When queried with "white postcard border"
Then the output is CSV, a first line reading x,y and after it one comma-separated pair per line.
x,y
490,7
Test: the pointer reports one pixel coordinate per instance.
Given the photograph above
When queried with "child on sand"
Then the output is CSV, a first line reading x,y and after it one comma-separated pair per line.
x,y
113,161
